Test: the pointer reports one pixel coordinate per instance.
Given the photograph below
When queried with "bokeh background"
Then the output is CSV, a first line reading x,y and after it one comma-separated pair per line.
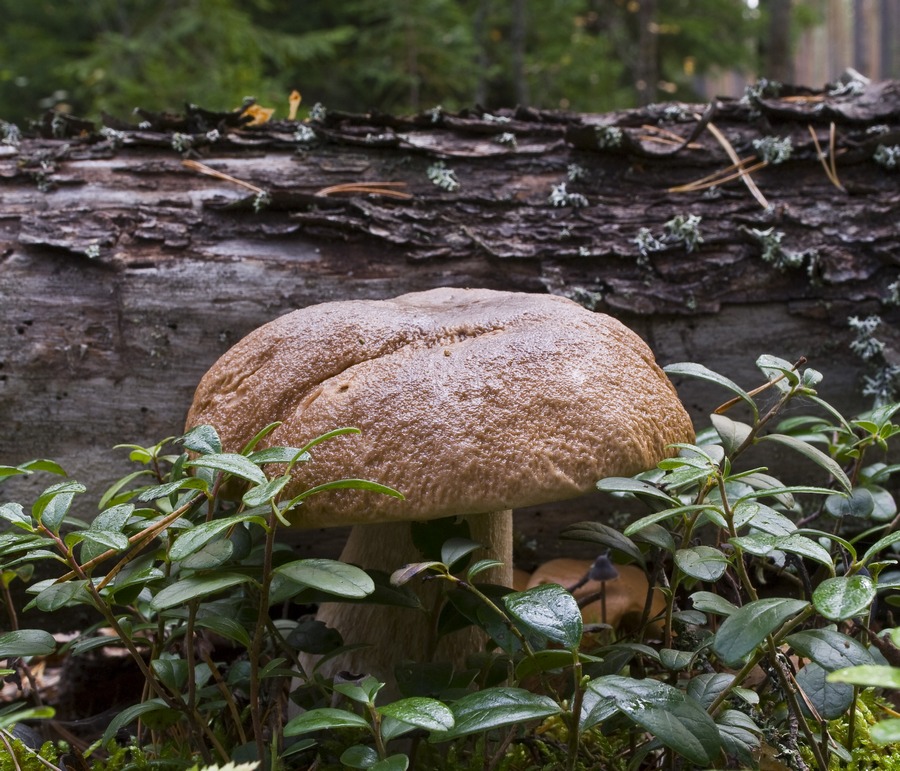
x,y
88,57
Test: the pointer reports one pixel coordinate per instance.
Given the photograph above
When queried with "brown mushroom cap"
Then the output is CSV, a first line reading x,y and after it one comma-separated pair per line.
x,y
469,400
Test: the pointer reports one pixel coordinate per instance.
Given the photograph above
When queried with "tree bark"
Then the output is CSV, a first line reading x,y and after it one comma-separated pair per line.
x,y
125,273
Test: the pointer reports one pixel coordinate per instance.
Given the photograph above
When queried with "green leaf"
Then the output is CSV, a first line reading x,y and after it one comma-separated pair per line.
x,y
288,455
885,731
112,496
829,648
457,549
868,676
774,367
156,492
43,464
363,692
549,611
190,541
739,735
210,556
545,661
226,627
262,494
480,567
421,712
707,602
828,698
844,597
860,503
195,587
396,762
659,516
675,660
56,596
743,630
15,514
701,562
130,714
705,688
760,544
691,369
106,539
346,484
248,448
880,545
635,487
202,439
324,718
763,518
405,574
9,719
674,718
732,433
26,642
494,708
814,454
329,576
231,463
359,756
53,504
597,532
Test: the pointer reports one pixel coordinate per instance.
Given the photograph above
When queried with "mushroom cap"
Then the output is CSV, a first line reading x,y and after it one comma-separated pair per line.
x,y
468,400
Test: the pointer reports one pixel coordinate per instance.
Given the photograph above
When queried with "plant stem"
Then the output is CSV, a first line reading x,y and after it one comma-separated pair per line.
x,y
227,696
788,688
189,655
256,644
574,717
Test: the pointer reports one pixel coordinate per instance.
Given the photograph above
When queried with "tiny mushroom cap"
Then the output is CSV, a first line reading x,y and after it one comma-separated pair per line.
x,y
468,401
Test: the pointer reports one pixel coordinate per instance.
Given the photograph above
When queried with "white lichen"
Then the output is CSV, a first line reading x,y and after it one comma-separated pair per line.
x,y
774,253
865,345
182,142
443,177
887,156
559,196
773,150
608,137
305,134
576,173
684,229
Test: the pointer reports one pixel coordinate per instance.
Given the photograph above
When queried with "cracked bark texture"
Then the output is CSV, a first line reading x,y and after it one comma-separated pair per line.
x,y
124,273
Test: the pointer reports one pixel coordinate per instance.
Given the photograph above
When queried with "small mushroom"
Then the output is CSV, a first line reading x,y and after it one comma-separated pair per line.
x,y
471,402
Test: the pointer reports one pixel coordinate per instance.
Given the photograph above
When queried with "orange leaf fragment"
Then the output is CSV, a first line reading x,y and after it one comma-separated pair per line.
x,y
259,114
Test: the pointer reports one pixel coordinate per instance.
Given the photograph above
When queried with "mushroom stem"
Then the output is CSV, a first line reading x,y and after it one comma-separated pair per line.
x,y
403,634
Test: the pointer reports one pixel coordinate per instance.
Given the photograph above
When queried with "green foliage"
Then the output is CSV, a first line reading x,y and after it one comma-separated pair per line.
x,y
390,55
755,570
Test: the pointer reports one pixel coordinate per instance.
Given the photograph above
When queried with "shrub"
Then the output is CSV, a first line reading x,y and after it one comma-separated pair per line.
x,y
766,580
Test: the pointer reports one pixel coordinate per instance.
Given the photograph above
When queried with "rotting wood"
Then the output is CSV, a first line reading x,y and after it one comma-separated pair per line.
x,y
125,274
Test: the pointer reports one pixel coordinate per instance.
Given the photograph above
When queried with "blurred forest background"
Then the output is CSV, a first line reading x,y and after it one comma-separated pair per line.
x,y
94,56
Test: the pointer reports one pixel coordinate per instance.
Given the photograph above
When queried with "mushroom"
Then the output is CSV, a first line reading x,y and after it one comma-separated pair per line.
x,y
623,593
471,402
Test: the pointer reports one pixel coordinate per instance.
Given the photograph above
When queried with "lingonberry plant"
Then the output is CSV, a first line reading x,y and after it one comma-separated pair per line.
x,y
771,626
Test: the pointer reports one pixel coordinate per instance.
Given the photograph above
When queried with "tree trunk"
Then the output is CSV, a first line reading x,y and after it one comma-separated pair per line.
x,y
647,73
778,62
126,273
